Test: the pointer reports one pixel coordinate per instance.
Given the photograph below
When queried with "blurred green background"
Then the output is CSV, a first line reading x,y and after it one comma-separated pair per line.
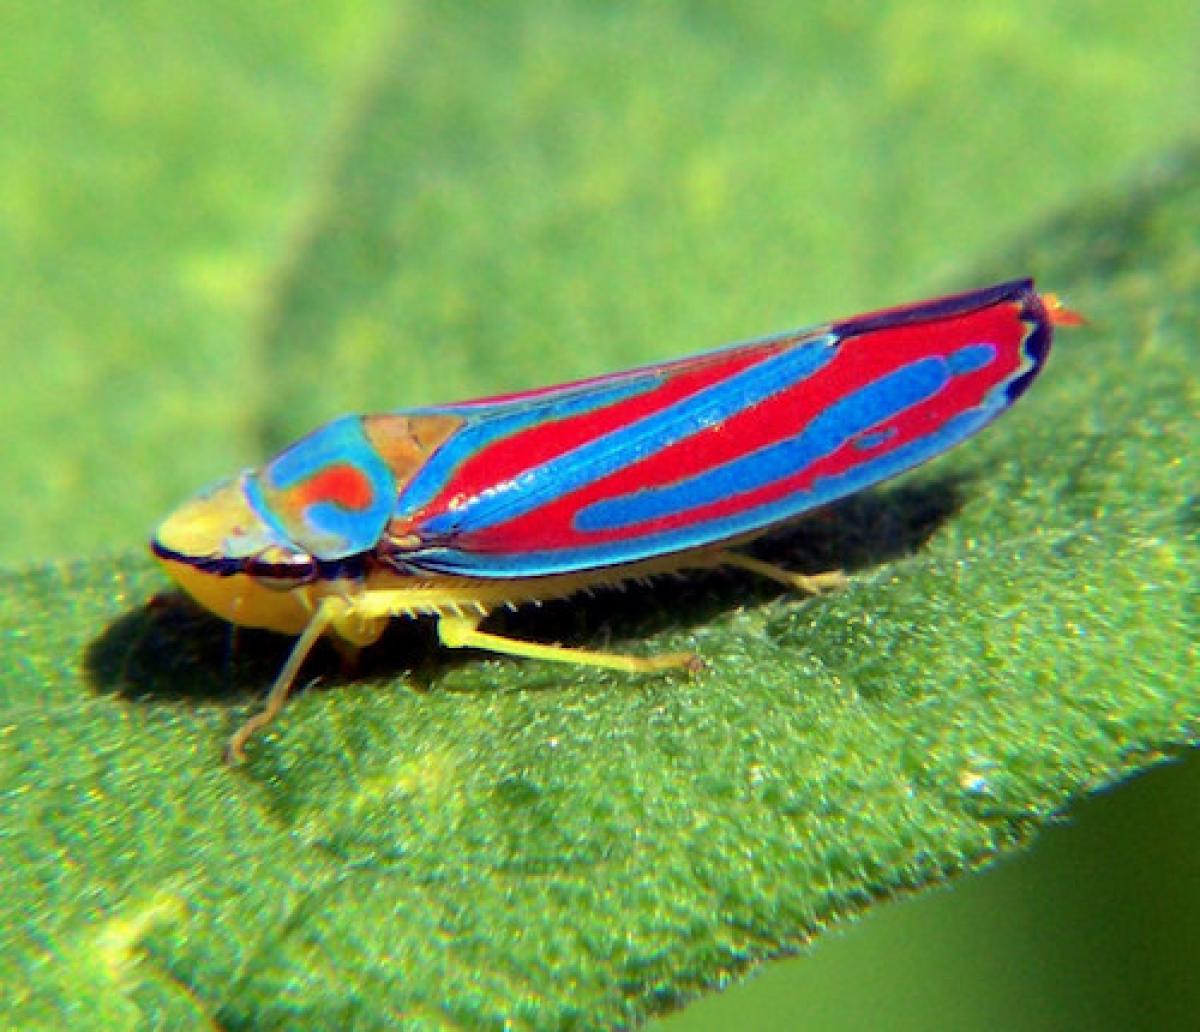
x,y
220,224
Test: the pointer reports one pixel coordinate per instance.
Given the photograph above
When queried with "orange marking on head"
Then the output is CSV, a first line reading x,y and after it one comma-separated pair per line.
x,y
342,484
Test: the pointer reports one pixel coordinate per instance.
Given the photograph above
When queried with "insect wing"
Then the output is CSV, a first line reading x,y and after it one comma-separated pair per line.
x,y
690,453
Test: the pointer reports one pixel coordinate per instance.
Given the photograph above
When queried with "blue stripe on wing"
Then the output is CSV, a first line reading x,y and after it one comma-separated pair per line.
x,y
875,403
589,462
825,434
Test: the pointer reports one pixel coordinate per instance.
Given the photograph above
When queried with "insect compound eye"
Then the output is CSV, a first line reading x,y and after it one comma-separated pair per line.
x,y
280,570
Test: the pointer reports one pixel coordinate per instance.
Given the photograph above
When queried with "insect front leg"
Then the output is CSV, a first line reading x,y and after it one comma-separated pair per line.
x,y
458,632
810,584
326,613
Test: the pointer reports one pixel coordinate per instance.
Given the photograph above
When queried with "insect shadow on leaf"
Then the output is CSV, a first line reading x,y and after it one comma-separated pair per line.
x,y
170,649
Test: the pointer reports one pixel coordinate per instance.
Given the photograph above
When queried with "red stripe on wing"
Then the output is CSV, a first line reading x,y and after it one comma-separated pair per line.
x,y
510,456
861,359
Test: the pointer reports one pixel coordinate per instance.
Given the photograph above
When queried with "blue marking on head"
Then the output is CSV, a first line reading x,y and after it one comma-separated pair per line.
x,y
340,441
324,528
338,532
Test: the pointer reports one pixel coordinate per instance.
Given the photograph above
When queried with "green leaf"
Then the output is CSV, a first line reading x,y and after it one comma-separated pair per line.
x,y
152,169
461,840
518,842
225,224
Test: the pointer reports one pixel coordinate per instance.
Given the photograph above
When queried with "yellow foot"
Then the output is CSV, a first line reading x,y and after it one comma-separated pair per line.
x,y
810,584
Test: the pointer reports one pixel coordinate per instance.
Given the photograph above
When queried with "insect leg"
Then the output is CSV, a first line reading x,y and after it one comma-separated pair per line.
x,y
235,748
812,584
459,632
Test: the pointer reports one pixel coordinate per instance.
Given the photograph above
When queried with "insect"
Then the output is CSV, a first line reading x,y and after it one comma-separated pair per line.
x,y
455,510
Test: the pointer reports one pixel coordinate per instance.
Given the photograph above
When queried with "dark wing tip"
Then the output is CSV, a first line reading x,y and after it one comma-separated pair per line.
x,y
1040,313
1018,290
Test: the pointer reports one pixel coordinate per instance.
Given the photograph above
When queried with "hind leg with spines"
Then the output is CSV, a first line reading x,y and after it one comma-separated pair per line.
x,y
809,583
458,632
